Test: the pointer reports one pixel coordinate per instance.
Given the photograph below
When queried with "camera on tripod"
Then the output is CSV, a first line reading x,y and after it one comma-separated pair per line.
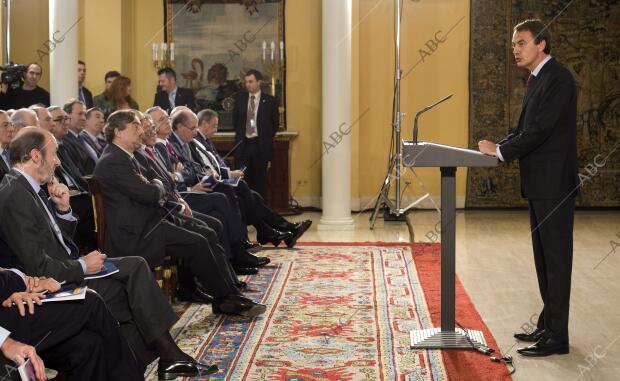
x,y
12,74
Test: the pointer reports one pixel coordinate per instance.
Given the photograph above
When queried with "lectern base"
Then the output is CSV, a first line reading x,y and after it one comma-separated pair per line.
x,y
434,338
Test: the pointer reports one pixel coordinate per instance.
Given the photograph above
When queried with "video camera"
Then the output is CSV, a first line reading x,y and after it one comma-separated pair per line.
x,y
12,74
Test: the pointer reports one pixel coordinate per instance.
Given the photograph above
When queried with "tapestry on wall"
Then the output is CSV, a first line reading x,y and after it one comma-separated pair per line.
x,y
585,37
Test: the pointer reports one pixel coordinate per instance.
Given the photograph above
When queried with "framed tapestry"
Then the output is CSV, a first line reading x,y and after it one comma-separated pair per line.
x,y
216,41
584,37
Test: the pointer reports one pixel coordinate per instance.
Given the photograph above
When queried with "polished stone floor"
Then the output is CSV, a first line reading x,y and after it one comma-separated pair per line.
x,y
495,264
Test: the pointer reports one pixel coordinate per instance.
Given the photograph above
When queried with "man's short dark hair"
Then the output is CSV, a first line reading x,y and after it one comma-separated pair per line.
x,y
180,117
111,74
91,111
68,107
257,74
80,62
539,31
206,115
118,120
168,71
20,147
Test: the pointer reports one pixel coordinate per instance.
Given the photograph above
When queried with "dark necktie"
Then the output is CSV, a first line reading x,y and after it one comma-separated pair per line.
x,y
5,159
173,154
48,203
530,82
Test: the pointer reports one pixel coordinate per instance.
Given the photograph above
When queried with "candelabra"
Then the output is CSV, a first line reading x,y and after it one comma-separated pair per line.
x,y
163,55
273,66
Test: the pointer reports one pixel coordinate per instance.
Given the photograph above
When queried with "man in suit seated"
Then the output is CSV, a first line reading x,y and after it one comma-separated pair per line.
x,y
6,135
208,206
134,223
184,130
24,117
169,94
93,130
37,240
80,339
85,157
254,209
44,117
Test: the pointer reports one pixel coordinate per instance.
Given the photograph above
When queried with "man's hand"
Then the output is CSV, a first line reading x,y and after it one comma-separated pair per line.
x,y
487,147
94,262
201,188
187,211
40,284
20,297
235,174
59,193
18,352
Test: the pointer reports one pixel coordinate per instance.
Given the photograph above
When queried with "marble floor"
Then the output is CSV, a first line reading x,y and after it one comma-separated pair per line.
x,y
495,264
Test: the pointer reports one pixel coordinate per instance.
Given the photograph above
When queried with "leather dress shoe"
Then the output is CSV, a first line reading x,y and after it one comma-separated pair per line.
x,y
240,270
299,229
195,296
238,305
170,370
275,237
546,346
251,247
245,259
241,285
531,337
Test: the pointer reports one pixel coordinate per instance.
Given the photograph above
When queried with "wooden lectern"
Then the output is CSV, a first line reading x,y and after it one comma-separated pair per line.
x,y
447,159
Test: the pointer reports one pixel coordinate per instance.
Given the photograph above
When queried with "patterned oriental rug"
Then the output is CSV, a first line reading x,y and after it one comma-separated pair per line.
x,y
337,312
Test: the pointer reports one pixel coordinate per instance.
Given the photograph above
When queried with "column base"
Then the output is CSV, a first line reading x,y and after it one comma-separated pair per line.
x,y
336,224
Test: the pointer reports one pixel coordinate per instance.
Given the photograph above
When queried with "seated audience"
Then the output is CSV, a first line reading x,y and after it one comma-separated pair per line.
x,y
80,339
134,223
38,242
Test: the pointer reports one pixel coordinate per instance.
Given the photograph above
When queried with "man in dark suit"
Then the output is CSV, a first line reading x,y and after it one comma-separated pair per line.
x,y
254,209
84,155
169,95
38,241
6,135
80,339
134,223
256,121
84,94
545,142
92,132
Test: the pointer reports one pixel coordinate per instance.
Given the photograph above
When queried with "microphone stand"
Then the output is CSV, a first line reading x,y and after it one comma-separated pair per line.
x,y
425,109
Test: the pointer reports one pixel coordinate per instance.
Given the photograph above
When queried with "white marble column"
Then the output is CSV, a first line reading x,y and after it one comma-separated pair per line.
x,y
63,42
336,106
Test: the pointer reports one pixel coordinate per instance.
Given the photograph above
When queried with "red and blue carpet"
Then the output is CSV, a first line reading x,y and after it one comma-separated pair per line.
x,y
337,312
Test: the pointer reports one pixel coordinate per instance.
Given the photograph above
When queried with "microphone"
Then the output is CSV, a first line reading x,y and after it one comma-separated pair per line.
x,y
425,109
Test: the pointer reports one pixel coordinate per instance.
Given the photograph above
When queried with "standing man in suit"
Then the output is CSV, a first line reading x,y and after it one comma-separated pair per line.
x,y
255,118
170,95
81,339
39,242
6,135
83,93
545,142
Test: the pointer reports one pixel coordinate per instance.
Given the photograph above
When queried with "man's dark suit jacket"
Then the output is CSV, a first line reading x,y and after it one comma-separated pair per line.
x,y
4,169
545,140
184,97
266,124
30,244
132,209
79,154
193,170
88,97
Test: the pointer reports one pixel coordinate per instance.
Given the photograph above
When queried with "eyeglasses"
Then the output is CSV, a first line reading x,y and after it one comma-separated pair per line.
x,y
62,119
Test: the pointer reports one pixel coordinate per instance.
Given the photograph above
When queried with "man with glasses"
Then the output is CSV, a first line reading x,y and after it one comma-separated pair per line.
x,y
135,225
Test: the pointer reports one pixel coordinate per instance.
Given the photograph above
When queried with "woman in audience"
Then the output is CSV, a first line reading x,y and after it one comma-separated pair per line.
x,y
120,93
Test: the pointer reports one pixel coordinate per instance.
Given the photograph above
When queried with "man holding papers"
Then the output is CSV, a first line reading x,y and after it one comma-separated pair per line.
x,y
38,239
79,339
